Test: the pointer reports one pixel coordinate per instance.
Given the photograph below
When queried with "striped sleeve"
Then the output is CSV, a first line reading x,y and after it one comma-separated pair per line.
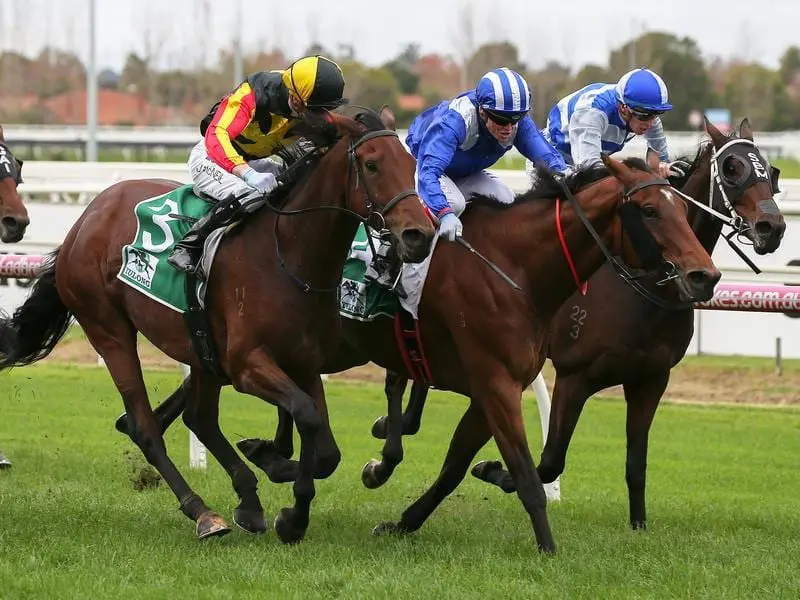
x,y
234,114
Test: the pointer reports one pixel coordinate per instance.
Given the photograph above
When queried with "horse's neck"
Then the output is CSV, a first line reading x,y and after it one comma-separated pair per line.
x,y
539,249
314,244
706,227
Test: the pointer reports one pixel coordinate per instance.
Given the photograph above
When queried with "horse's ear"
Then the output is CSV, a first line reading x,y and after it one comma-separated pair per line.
x,y
387,117
745,131
618,169
653,160
717,136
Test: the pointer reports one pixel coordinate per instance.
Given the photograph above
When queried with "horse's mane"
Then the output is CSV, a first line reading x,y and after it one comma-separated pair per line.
x,y
301,157
547,187
678,181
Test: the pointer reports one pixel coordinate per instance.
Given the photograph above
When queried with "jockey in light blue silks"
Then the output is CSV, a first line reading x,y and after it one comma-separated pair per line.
x,y
457,139
603,117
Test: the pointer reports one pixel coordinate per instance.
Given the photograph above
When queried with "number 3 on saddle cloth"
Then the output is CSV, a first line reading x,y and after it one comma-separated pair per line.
x,y
362,298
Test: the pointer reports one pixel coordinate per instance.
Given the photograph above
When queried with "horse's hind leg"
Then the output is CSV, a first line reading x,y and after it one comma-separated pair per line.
x,y
412,416
114,337
377,472
165,413
642,397
201,415
471,434
4,462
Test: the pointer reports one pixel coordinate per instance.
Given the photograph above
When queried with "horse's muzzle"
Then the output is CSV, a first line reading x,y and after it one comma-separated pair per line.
x,y
697,285
12,228
767,235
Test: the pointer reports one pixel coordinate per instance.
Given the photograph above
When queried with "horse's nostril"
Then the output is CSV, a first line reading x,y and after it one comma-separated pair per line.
x,y
763,228
10,223
413,238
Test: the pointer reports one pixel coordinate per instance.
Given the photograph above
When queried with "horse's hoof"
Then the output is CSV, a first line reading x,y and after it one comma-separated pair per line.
x,y
549,549
639,525
285,528
379,428
210,524
388,528
482,469
369,477
121,424
4,462
250,521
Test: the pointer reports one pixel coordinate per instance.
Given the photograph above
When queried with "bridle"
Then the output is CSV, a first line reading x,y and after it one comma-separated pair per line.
x,y
373,209
754,171
642,240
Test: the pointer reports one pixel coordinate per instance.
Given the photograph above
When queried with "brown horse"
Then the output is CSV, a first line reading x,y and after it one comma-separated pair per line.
x,y
273,308
13,215
614,336
485,339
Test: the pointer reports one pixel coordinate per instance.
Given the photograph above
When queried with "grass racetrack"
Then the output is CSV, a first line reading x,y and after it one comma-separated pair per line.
x,y
723,506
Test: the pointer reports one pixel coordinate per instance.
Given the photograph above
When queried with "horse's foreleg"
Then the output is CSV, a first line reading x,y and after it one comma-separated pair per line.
x,y
642,398
470,435
261,377
570,393
375,473
412,416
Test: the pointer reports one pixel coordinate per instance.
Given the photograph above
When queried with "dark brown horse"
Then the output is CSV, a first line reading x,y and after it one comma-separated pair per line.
x,y
13,215
273,308
485,339
614,336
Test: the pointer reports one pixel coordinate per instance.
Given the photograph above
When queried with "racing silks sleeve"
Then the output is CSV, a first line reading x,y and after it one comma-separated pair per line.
x,y
234,113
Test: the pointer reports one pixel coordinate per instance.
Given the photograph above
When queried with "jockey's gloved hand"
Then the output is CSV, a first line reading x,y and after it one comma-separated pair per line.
x,y
679,168
450,227
265,182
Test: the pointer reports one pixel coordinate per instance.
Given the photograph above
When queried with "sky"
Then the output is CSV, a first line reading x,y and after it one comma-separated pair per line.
x,y
572,32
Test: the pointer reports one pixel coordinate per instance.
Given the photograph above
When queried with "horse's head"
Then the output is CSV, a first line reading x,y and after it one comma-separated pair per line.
x,y
742,185
381,181
13,215
653,218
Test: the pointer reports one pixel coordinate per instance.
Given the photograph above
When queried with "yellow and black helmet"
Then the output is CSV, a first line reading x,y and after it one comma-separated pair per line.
x,y
317,81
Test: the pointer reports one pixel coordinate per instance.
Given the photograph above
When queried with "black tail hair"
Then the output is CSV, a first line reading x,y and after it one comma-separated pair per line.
x,y
36,327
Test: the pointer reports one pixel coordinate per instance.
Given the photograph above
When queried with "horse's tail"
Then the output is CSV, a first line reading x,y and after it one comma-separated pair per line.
x,y
35,328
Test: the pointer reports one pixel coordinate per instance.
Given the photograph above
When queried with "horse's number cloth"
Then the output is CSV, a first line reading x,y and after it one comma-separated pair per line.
x,y
144,261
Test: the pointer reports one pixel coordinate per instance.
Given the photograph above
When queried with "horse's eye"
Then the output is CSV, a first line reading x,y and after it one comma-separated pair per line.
x,y
649,211
371,166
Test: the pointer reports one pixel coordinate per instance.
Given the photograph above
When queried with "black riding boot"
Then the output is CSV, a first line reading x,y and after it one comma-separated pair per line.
x,y
186,254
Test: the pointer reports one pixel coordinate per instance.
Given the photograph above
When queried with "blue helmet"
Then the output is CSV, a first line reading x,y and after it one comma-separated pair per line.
x,y
504,93
643,89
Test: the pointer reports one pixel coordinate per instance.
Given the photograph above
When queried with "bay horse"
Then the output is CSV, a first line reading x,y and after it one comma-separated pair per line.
x,y
13,214
614,336
484,339
273,309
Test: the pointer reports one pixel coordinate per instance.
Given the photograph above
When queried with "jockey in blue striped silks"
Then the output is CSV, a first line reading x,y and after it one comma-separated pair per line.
x,y
603,117
456,140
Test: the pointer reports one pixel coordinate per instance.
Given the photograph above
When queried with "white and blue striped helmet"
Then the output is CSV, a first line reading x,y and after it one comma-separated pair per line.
x,y
643,89
505,93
